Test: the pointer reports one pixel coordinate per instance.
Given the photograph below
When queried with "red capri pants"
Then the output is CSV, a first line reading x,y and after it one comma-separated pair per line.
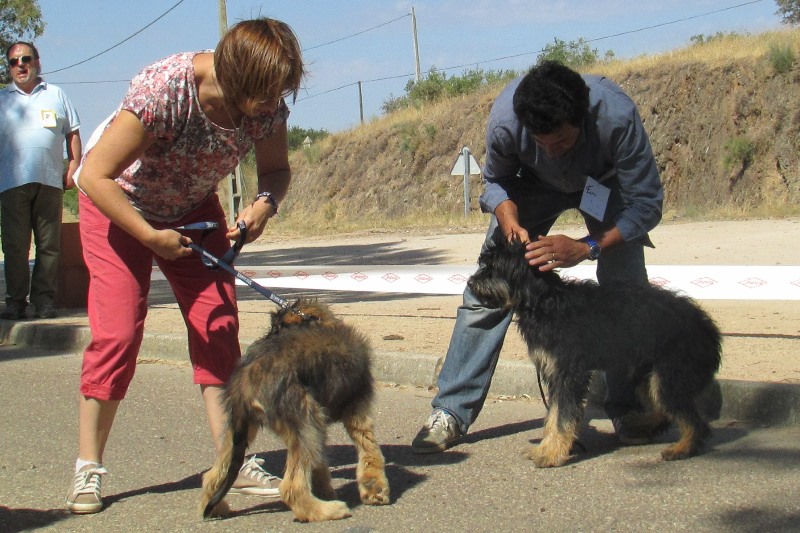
x,y
120,268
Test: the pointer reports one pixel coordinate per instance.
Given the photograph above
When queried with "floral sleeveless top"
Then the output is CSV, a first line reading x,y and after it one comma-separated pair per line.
x,y
190,154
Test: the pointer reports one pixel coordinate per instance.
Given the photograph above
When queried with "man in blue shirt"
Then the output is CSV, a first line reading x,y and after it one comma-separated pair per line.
x,y
36,120
555,141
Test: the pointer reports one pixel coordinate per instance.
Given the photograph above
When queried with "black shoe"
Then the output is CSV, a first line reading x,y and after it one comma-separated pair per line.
x,y
46,311
630,434
14,311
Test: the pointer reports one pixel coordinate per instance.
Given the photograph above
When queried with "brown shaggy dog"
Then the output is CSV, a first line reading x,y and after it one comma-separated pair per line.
x,y
309,371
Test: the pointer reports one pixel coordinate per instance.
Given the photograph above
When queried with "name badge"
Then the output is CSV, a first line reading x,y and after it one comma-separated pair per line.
x,y
49,118
594,199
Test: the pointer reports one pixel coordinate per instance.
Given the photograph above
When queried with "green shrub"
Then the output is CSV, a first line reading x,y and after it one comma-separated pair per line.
x,y
701,39
410,139
313,154
71,201
574,54
437,86
297,136
739,151
781,56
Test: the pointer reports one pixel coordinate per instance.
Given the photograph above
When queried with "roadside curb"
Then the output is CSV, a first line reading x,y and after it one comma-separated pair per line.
x,y
761,403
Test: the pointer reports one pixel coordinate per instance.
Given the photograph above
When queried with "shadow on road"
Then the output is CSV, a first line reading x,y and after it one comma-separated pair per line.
x,y
17,520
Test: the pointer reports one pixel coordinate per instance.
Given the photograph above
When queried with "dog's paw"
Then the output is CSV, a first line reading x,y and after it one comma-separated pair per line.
x,y
221,510
542,459
375,491
678,451
332,510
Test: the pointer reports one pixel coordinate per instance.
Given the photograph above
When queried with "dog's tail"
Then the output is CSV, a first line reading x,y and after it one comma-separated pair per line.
x,y
220,478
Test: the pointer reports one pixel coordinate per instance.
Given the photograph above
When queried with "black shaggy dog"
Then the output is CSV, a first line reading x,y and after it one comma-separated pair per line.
x,y
310,370
574,327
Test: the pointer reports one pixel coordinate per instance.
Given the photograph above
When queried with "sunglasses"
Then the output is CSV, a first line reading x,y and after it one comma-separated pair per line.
x,y
16,60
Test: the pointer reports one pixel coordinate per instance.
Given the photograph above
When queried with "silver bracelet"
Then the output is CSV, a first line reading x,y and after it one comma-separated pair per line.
x,y
271,199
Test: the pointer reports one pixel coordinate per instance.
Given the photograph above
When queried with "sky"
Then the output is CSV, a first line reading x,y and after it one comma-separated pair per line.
x,y
369,41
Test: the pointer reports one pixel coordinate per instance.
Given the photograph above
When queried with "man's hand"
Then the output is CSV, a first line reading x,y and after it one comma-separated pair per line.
x,y
556,251
519,233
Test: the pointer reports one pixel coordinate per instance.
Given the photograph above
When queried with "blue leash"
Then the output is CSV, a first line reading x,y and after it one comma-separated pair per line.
x,y
213,262
231,255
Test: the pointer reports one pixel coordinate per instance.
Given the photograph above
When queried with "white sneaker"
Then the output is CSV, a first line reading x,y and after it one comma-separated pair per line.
x,y
439,433
256,481
84,497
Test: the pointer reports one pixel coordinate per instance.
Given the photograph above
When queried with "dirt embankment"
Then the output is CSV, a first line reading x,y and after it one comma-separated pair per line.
x,y
726,135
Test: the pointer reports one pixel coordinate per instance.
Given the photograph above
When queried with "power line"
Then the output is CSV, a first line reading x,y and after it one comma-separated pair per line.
x,y
179,2
514,56
677,21
342,39
91,82
357,33
176,5
463,65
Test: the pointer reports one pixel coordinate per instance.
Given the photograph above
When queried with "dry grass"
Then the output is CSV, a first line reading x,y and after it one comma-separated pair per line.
x,y
716,53
352,180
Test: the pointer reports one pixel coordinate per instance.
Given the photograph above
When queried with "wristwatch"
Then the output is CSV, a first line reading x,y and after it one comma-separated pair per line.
x,y
594,248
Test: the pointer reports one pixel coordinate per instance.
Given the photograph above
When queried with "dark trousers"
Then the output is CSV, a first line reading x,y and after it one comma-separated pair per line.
x,y
479,331
31,209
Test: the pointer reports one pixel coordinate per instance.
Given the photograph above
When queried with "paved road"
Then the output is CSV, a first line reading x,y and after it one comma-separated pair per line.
x,y
746,482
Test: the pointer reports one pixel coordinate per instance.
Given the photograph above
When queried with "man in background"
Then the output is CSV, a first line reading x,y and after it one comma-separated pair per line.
x,y
36,120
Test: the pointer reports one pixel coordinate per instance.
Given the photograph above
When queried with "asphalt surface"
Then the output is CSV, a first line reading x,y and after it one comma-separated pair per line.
x,y
746,481
759,402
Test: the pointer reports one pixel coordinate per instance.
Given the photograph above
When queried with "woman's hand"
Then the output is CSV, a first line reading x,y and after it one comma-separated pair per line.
x,y
168,243
255,216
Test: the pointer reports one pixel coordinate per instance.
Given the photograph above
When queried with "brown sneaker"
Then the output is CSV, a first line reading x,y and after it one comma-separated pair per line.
x,y
256,481
84,497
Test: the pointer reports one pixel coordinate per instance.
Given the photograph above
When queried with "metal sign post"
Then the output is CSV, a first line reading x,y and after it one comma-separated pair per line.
x,y
465,164
235,181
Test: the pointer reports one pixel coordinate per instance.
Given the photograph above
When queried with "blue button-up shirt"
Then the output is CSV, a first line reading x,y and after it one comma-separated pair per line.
x,y
33,129
612,142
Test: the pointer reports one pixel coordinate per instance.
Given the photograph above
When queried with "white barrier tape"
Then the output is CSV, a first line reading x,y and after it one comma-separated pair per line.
x,y
703,282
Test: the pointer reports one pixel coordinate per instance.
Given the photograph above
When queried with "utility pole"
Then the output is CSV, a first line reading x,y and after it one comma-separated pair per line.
x,y
360,102
235,179
416,44
223,17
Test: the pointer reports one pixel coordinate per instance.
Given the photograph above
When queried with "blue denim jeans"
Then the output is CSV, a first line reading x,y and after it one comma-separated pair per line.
x,y
479,331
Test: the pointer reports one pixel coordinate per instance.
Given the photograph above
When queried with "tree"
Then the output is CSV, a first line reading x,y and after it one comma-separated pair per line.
x,y
436,86
19,20
789,11
297,135
574,54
